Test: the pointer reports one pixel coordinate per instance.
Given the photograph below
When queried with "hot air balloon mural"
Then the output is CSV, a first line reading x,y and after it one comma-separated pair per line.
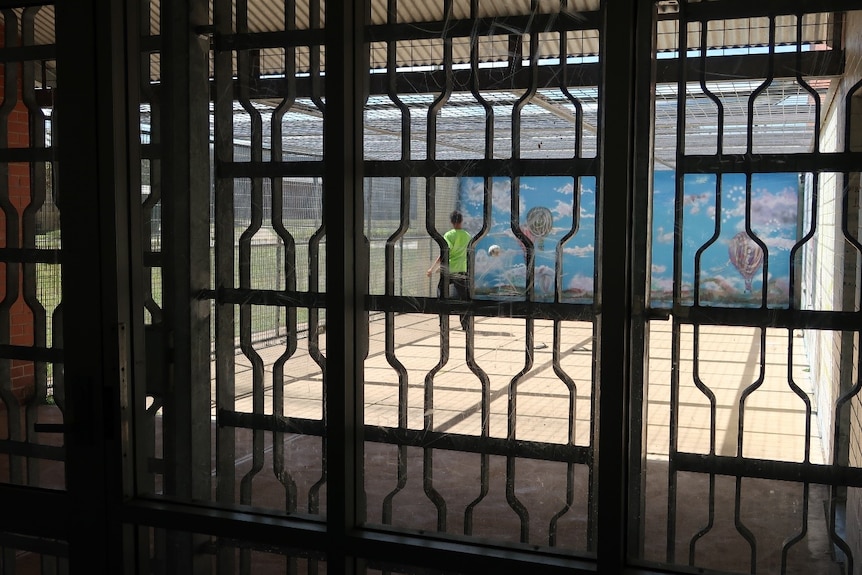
x,y
540,222
549,208
746,256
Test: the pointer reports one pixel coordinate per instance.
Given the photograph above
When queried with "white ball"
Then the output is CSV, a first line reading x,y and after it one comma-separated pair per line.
x,y
494,251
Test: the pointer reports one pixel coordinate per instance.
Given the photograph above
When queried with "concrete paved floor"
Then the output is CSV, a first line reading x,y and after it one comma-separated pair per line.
x,y
397,479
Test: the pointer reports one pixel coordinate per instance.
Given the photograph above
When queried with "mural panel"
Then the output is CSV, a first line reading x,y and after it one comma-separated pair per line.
x,y
733,242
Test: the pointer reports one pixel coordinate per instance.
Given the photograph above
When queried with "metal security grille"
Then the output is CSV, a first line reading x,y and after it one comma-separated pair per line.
x,y
657,348
32,392
753,384
465,426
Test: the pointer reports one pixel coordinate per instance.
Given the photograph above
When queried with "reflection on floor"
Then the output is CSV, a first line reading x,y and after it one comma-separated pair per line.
x,y
716,522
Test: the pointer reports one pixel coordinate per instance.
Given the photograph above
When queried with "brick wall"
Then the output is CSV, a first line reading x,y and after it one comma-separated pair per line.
x,y
832,279
20,328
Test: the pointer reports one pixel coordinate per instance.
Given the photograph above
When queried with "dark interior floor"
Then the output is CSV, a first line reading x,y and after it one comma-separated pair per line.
x,y
525,501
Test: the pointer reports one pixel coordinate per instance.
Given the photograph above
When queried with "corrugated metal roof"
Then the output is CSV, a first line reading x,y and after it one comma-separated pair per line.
x,y
269,16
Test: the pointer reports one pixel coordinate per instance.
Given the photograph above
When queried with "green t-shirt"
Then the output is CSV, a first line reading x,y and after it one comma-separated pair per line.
x,y
458,241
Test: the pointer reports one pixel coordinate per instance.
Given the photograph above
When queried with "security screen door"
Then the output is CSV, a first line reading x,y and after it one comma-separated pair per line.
x,y
657,366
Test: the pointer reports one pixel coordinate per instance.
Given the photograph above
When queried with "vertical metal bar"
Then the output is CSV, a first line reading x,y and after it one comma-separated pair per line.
x,y
801,394
36,128
145,428
403,224
761,377
12,270
613,286
740,526
641,272
487,187
572,389
710,521
346,271
289,262
529,253
530,257
676,331
749,148
704,30
443,289
224,269
186,272
314,271
246,74
699,383
94,179
673,439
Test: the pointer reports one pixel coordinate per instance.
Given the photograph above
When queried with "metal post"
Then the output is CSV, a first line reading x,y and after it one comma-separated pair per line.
x,y
346,273
94,131
185,197
613,287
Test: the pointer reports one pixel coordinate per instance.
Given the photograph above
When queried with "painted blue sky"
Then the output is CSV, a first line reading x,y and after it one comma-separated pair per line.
x,y
773,219
507,272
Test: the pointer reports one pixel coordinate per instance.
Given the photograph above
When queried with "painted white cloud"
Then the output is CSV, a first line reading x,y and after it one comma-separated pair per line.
x,y
580,251
663,237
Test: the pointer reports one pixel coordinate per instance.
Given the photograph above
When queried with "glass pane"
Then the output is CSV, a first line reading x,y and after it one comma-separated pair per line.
x,y
751,387
32,391
167,548
23,555
479,376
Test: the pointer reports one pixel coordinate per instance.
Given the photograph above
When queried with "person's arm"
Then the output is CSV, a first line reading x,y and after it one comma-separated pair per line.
x,y
433,267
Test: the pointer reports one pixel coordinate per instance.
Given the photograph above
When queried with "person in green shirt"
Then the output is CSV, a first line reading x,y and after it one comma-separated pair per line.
x,y
458,241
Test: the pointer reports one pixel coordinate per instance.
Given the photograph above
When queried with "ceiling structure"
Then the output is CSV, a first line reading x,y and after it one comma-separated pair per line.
x,y
782,114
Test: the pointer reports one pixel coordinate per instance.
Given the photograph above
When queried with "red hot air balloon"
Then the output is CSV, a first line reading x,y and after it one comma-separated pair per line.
x,y
746,256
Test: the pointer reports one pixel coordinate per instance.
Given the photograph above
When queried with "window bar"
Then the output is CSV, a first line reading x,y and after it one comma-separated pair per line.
x,y
153,199
770,75
245,76
487,205
572,388
740,526
530,257
815,202
404,223
484,458
701,385
847,184
224,267
430,219
801,394
801,81
749,390
710,521
791,541
12,269
511,497
37,199
285,237
737,506
676,331
558,288
704,29
314,270
673,440
644,107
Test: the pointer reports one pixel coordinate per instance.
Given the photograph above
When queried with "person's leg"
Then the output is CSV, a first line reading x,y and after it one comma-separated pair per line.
x,y
463,294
